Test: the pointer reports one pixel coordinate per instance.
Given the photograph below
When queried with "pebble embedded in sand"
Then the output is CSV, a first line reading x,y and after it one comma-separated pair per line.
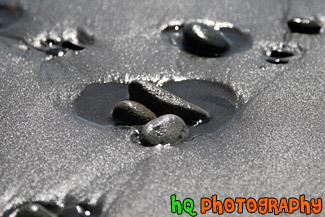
x,y
281,54
277,60
165,129
204,40
71,46
304,25
132,113
73,211
162,102
34,210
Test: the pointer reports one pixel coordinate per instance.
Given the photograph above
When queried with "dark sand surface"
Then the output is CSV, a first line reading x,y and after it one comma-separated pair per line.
x,y
273,148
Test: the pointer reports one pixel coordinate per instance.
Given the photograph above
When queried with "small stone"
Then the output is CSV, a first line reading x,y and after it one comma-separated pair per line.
x,y
73,211
34,210
71,46
162,102
304,25
132,113
165,129
204,40
277,60
281,54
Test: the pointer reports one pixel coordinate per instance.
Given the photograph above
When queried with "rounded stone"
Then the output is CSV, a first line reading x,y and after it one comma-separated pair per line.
x,y
204,40
162,102
34,210
165,129
304,25
132,113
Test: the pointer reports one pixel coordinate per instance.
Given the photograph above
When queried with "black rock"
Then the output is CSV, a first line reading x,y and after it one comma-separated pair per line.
x,y
165,129
34,210
162,102
73,211
204,40
281,54
71,46
132,113
304,25
277,60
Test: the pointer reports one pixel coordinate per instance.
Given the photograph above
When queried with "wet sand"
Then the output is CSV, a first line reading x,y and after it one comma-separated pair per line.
x,y
273,146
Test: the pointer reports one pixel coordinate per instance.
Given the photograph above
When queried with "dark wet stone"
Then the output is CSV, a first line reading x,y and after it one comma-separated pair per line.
x,y
73,211
166,129
304,25
281,54
204,40
132,113
57,51
34,210
277,60
162,102
71,46
237,40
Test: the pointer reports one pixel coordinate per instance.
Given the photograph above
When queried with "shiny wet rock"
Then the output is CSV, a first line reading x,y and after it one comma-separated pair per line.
x,y
204,40
281,53
71,46
208,39
162,102
166,129
304,25
132,113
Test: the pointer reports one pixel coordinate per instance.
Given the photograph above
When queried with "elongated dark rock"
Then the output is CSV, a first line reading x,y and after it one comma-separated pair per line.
x,y
34,210
132,113
281,54
165,129
162,102
204,40
277,60
72,46
304,25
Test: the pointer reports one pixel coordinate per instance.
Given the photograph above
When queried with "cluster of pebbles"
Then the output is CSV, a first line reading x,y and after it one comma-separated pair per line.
x,y
282,53
160,116
55,44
